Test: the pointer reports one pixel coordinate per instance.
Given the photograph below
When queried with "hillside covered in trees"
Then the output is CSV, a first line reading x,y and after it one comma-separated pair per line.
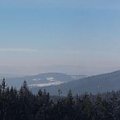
x,y
23,105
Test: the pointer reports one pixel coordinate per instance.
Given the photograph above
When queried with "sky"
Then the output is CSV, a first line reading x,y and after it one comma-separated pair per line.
x,y
68,36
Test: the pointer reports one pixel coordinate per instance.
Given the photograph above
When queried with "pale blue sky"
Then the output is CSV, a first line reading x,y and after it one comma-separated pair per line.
x,y
72,36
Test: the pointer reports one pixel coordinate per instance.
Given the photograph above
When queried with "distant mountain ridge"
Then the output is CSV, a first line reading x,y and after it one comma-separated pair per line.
x,y
41,80
79,84
93,84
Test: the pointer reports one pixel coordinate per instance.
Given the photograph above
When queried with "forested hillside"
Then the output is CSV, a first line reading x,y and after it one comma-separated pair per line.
x,y
23,105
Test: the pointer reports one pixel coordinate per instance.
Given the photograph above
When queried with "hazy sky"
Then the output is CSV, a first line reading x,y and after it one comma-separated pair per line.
x,y
72,36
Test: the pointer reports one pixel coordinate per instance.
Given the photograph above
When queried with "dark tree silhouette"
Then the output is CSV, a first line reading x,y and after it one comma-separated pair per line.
x,y
23,105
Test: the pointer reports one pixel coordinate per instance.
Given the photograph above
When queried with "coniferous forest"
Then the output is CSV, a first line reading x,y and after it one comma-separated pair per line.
x,y
23,105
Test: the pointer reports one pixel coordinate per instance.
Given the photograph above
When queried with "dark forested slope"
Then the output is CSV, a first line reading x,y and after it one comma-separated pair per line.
x,y
94,84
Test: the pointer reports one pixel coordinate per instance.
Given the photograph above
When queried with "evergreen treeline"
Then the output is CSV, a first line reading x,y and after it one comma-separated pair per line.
x,y
23,105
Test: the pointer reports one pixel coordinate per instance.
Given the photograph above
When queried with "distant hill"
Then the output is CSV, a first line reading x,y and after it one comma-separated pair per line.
x,y
42,80
94,84
79,84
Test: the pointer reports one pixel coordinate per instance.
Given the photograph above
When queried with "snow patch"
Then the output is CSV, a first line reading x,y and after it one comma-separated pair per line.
x,y
36,79
46,84
51,79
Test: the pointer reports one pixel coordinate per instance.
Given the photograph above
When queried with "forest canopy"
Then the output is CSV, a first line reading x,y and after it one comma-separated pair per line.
x,y
24,105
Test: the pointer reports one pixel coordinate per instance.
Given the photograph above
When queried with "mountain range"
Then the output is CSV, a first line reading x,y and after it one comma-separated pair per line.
x,y
79,84
92,84
41,80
